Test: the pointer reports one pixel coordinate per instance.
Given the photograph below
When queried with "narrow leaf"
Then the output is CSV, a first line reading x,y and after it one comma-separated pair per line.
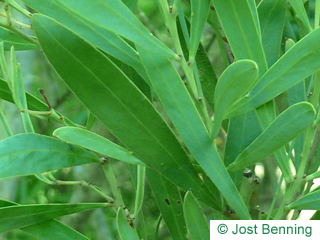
x,y
104,39
119,104
47,229
283,129
11,39
295,65
242,74
169,201
124,229
241,30
301,13
175,98
197,223
19,216
96,143
199,14
309,201
27,154
111,15
272,17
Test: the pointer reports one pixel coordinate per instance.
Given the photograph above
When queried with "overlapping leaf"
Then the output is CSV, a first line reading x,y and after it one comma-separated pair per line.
x,y
175,98
96,143
169,201
11,39
283,129
233,83
47,229
18,216
117,103
309,201
298,63
197,223
101,24
199,14
124,229
27,154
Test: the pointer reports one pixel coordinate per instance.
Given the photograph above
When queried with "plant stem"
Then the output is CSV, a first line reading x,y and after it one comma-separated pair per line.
x,y
107,168
170,14
19,8
18,32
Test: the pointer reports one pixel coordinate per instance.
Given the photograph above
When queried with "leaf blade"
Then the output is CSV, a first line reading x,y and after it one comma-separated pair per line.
x,y
283,129
18,216
96,143
197,223
27,154
131,118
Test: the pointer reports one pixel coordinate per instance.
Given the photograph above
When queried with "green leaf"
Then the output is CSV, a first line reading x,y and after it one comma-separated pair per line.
x,y
309,201
119,104
207,76
131,4
197,223
199,14
124,229
298,63
97,35
11,39
283,129
47,229
18,216
179,105
27,154
243,74
169,201
272,15
238,139
111,15
96,143
301,13
241,30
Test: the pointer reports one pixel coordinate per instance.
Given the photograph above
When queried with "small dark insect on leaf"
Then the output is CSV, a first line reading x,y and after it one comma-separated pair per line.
x,y
167,201
178,202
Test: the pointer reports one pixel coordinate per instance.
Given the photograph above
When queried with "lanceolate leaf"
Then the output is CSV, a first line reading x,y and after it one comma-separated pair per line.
x,y
234,82
301,13
175,98
298,63
117,103
124,229
111,15
197,223
169,201
104,39
19,216
309,201
241,30
96,143
283,129
12,39
47,229
272,15
199,14
27,154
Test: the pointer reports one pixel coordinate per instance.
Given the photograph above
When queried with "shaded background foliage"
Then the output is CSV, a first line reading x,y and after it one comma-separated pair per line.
x,y
100,223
